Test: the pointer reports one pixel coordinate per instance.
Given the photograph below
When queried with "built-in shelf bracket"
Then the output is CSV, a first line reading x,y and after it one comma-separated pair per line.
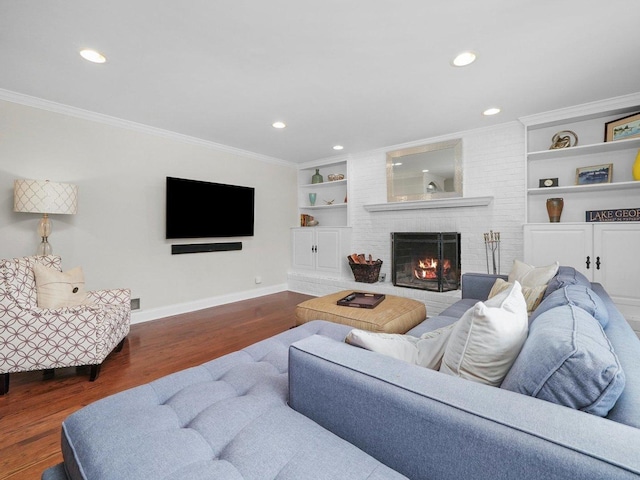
x,y
427,204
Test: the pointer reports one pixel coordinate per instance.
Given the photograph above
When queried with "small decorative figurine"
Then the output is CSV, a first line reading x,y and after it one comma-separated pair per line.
x,y
562,139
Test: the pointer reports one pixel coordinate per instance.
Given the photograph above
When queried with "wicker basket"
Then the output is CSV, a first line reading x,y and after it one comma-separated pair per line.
x,y
366,272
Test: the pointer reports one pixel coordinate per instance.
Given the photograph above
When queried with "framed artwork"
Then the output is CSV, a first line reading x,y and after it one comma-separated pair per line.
x,y
623,128
594,174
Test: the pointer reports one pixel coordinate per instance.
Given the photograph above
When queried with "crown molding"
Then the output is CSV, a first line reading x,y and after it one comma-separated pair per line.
x,y
42,104
585,111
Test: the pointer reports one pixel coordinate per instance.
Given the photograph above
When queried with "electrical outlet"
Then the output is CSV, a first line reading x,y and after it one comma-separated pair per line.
x,y
135,304
258,279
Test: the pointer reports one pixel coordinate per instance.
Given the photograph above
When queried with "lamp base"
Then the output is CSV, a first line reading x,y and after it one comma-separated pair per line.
x,y
44,230
44,248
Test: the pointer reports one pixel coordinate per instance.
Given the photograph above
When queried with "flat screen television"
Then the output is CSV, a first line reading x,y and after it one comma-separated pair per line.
x,y
197,209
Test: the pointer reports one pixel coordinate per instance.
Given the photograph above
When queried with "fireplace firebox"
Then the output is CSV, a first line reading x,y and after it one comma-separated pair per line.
x,y
425,260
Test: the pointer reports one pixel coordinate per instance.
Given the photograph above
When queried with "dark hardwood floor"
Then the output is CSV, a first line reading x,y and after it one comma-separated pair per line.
x,y
32,412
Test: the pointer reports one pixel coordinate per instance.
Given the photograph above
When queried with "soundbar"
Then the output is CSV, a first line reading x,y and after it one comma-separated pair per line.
x,y
205,247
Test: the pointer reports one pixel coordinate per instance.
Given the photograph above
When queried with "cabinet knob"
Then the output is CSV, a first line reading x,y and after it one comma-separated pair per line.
x,y
588,262
597,263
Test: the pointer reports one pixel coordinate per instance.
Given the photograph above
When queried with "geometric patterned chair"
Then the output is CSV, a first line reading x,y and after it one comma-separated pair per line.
x,y
33,338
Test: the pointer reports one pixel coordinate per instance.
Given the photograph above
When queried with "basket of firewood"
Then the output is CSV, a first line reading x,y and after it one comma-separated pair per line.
x,y
364,268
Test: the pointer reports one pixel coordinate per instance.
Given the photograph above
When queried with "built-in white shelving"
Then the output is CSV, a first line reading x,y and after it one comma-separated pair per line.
x,y
588,122
328,215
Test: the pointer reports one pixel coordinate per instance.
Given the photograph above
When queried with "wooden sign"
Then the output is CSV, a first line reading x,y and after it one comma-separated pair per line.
x,y
615,215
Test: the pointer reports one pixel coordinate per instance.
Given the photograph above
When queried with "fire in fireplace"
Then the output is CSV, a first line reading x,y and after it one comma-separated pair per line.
x,y
426,261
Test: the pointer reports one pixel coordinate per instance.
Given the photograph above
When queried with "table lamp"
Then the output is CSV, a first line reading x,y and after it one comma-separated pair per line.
x,y
43,196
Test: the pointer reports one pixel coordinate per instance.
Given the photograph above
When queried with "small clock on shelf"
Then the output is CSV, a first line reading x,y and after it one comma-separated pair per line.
x,y
548,182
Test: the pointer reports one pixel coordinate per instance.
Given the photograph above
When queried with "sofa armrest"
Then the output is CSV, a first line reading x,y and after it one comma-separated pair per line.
x,y
426,424
112,296
478,285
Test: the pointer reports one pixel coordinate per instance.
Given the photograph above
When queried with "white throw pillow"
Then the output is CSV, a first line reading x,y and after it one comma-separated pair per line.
x,y
426,351
530,276
57,289
532,295
487,339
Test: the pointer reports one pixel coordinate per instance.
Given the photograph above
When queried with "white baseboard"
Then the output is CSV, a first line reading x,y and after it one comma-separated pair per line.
x,y
162,312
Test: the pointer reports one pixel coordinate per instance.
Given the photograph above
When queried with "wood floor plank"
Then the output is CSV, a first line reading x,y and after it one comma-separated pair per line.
x,y
32,412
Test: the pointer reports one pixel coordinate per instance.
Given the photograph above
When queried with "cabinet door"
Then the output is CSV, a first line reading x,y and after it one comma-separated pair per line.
x,y
568,244
328,250
303,248
616,247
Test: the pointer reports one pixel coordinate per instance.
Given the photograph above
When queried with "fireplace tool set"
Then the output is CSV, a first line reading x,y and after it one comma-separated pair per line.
x,y
492,244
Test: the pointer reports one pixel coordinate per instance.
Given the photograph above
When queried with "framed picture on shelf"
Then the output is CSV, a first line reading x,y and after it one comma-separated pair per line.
x,y
594,174
622,128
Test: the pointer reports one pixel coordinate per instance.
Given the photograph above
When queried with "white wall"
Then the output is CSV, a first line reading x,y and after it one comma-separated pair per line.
x,y
118,234
493,160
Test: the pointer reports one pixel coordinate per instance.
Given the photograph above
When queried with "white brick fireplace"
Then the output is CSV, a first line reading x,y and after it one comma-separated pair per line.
x,y
493,165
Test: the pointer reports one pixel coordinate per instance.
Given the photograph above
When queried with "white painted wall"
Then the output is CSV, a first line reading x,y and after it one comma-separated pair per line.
x,y
118,234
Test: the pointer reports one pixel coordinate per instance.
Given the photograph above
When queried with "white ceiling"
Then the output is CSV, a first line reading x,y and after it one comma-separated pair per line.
x,y
360,73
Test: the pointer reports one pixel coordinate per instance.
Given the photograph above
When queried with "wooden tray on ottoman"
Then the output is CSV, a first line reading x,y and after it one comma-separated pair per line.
x,y
361,300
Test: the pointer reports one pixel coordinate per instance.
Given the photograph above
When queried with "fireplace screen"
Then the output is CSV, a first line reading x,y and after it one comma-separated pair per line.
x,y
426,261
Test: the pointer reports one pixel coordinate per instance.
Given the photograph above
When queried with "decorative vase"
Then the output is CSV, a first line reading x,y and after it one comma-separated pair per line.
x,y
636,167
312,199
316,178
554,209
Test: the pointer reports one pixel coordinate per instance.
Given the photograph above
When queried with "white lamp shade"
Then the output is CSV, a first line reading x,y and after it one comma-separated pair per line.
x,y
43,196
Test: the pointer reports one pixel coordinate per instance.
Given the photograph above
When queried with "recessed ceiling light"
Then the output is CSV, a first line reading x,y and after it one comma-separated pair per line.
x,y
278,125
338,147
93,56
463,59
425,170
491,111
397,164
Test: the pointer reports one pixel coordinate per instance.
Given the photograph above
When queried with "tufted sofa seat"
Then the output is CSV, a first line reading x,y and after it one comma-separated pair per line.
x,y
225,419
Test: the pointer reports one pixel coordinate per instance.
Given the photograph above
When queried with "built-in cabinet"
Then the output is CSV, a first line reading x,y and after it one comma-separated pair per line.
x,y
588,123
321,249
605,253
330,208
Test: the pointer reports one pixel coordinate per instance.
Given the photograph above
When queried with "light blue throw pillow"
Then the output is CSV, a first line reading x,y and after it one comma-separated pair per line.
x,y
577,295
567,359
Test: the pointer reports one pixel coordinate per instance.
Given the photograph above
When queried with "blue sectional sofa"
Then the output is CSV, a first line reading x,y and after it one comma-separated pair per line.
x,y
306,405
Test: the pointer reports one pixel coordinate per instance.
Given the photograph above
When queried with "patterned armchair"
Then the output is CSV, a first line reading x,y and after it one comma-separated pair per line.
x,y
33,338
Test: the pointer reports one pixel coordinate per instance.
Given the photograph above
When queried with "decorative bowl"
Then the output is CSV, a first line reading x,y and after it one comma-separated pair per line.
x,y
335,176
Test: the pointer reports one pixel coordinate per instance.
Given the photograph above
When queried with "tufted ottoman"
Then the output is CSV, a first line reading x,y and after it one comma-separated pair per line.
x,y
393,315
227,419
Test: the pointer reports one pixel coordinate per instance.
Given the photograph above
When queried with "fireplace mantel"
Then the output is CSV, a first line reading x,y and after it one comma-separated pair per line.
x,y
425,204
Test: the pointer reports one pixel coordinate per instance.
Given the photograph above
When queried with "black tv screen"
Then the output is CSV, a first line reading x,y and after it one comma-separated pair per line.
x,y
197,209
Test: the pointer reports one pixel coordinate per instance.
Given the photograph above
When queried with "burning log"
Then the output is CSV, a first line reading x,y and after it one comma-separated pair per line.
x,y
427,269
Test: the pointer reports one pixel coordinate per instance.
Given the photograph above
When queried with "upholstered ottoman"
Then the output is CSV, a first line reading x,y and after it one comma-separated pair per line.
x,y
393,315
